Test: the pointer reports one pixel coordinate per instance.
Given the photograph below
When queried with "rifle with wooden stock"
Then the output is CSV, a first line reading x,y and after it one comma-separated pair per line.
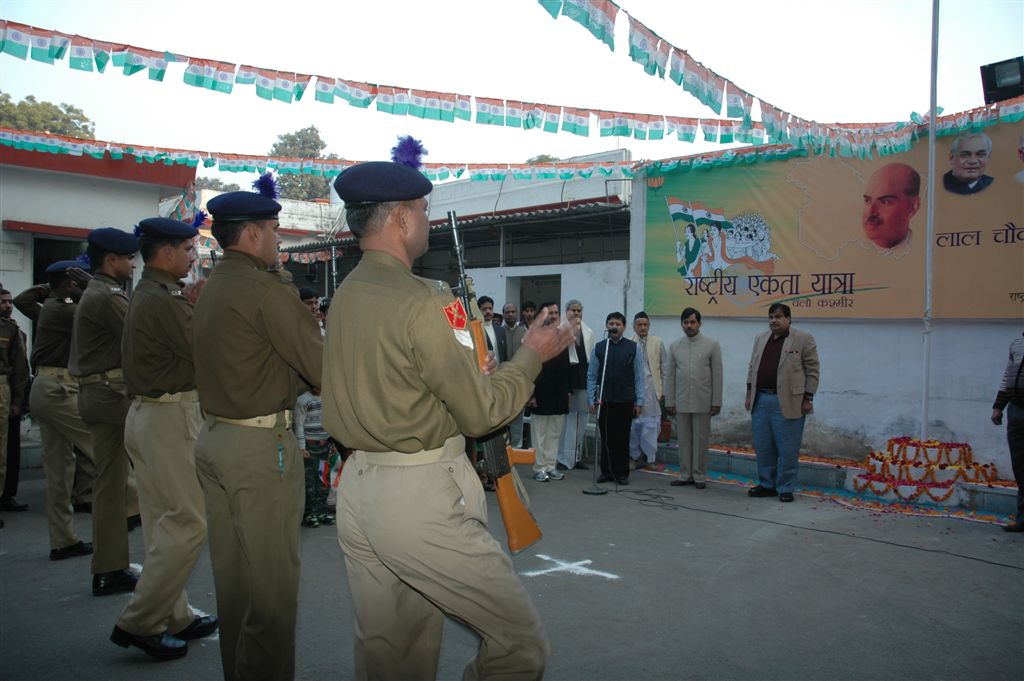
x,y
499,455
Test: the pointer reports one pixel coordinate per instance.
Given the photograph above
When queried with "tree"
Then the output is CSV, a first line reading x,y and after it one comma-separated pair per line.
x,y
305,143
30,114
543,158
215,184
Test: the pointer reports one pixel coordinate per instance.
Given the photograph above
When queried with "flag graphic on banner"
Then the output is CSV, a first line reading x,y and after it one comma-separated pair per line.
x,y
695,212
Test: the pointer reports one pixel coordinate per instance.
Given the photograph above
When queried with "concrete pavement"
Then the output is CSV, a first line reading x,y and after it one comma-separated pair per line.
x,y
647,582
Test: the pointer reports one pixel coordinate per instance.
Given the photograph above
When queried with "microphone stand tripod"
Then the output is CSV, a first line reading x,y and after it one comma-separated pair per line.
x,y
596,489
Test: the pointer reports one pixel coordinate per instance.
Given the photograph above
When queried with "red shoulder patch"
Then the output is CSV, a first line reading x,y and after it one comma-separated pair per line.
x,y
456,314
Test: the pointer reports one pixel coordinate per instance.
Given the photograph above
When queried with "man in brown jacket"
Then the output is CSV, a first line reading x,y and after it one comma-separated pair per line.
x,y
781,381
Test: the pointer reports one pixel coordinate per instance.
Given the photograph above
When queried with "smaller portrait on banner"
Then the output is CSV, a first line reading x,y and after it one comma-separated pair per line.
x,y
968,160
891,199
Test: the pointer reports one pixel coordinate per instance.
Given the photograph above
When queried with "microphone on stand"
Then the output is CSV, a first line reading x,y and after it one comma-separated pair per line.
x,y
595,489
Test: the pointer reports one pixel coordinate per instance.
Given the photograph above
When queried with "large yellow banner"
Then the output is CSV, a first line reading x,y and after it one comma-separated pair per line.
x,y
842,237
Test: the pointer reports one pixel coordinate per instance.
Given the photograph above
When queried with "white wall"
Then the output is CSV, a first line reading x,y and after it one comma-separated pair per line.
x,y
600,286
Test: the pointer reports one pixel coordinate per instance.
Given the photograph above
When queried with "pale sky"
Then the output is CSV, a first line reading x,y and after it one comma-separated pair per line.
x,y
829,61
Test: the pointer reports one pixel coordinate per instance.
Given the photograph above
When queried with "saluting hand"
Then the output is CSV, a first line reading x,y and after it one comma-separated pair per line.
x,y
548,340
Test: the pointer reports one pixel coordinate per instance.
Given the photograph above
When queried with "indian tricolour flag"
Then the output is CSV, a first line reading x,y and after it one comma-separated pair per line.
x,y
81,55
301,83
602,21
490,111
246,75
660,59
59,43
17,40
417,103
734,102
677,66
360,95
284,87
223,77
385,99
716,91
447,103
432,106
1012,110
521,171
265,83
134,59
401,102
533,116
552,115
710,128
195,73
463,107
605,123
685,129
641,44
324,90
41,45
94,150
692,79
157,64
514,114
641,126
694,211
576,121
728,131
655,127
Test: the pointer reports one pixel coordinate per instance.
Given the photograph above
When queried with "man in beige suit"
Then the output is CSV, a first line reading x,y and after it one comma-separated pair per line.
x,y
781,382
693,392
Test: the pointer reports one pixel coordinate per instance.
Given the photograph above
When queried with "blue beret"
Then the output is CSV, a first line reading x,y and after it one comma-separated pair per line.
x,y
234,206
379,181
165,228
113,240
65,265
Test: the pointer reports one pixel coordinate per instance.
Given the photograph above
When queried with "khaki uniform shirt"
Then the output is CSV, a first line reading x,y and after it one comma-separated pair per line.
x,y
13,363
51,344
157,342
251,335
400,373
99,323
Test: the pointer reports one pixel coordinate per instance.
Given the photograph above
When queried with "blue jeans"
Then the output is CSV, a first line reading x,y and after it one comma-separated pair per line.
x,y
776,442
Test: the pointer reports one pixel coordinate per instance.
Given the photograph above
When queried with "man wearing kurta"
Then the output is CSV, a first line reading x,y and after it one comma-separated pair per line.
x,y
252,339
402,386
693,392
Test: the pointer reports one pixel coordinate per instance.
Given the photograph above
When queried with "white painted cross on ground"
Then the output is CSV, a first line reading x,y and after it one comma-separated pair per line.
x,y
576,568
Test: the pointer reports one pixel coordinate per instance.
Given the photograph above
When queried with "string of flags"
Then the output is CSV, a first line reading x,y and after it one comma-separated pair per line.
x,y
849,140
657,56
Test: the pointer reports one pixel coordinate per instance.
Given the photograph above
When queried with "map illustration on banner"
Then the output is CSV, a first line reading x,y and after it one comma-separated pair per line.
x,y
844,237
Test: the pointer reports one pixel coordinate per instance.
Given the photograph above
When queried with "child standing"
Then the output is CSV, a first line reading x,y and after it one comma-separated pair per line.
x,y
317,448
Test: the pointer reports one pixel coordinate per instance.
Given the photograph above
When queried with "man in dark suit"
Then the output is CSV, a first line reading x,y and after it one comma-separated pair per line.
x,y
497,339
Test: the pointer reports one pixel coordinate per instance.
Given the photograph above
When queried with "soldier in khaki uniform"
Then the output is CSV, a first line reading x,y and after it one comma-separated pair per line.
x,y
402,386
160,436
251,337
13,382
54,399
103,400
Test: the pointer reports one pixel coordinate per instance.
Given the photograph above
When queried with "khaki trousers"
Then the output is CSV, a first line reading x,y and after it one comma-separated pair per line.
x,y
104,407
546,431
254,483
694,435
161,438
54,405
5,411
414,531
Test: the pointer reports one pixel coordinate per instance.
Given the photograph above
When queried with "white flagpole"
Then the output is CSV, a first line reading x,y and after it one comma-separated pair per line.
x,y
927,350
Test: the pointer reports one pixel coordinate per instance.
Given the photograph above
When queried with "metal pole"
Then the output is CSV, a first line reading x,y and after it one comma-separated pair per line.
x,y
927,350
595,489
334,269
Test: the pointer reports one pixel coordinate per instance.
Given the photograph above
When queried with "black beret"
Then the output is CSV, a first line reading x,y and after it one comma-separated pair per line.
x,y
113,240
166,228
380,181
234,206
65,265
306,293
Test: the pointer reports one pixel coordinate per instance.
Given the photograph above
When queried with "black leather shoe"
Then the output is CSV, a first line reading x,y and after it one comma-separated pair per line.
x,y
786,496
201,627
580,466
605,478
80,549
1015,527
623,481
134,521
681,483
759,491
160,646
11,504
561,466
83,507
700,485
118,581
